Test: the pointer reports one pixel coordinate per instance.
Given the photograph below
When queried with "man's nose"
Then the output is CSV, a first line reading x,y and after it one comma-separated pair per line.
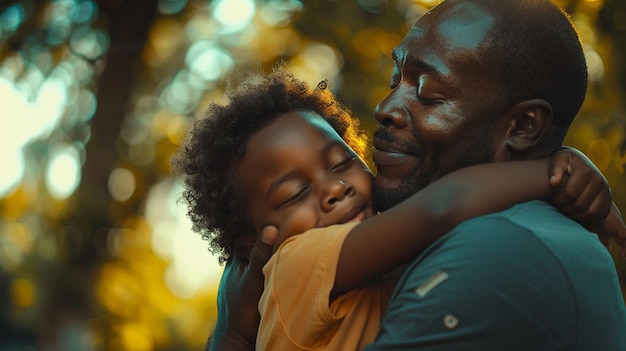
x,y
336,191
392,110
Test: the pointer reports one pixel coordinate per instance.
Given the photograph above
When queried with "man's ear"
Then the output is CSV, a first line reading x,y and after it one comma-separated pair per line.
x,y
528,122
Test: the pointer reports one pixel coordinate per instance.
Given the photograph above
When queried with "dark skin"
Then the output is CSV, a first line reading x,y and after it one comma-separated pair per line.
x,y
440,104
298,174
242,282
240,289
430,123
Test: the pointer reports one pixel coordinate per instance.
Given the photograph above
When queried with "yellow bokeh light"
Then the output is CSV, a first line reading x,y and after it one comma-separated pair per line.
x,y
20,236
122,184
119,290
16,204
366,42
595,65
164,42
387,42
584,133
430,2
177,129
130,242
594,4
599,152
270,43
316,62
22,292
620,161
135,337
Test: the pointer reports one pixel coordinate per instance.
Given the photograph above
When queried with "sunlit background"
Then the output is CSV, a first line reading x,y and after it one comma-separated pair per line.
x,y
95,251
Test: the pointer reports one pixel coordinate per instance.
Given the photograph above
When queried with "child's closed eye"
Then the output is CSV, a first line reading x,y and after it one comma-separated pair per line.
x,y
342,164
298,195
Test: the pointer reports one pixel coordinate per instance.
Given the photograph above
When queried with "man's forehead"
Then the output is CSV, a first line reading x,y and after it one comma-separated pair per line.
x,y
447,34
463,25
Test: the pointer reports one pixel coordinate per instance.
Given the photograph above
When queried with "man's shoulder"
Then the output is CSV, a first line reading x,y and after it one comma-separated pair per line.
x,y
478,286
532,240
532,228
534,221
529,215
526,261
505,235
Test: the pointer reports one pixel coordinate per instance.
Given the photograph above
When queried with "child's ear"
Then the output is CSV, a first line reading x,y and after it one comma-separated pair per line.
x,y
528,122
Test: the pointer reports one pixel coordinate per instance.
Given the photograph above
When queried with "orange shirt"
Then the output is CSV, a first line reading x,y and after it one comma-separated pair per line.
x,y
295,310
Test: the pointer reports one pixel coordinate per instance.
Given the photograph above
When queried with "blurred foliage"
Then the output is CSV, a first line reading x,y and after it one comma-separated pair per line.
x,y
95,96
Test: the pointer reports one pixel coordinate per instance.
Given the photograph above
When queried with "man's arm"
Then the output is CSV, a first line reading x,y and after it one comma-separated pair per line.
x,y
238,296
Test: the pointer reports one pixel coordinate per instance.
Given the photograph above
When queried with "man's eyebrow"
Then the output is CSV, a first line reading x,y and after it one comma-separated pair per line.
x,y
395,55
422,65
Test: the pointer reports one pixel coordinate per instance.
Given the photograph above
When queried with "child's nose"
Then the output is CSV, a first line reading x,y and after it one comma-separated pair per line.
x,y
337,190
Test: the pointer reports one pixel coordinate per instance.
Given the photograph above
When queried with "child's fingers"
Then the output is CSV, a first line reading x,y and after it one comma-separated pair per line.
x,y
560,167
593,204
556,176
269,234
262,249
241,291
584,196
568,192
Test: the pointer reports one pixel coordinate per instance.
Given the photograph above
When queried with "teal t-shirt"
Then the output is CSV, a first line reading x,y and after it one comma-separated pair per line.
x,y
527,278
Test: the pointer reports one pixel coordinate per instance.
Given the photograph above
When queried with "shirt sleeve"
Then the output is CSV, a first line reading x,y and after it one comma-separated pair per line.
x,y
474,288
299,278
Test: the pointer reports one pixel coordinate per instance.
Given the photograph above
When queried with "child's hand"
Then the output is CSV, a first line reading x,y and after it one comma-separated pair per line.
x,y
240,289
584,195
581,191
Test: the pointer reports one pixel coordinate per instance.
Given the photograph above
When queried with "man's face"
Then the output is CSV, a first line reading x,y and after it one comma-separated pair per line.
x,y
441,113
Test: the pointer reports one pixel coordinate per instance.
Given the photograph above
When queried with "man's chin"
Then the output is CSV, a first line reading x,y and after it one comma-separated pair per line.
x,y
389,191
386,195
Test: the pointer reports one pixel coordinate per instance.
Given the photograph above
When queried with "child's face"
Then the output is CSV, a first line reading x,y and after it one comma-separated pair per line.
x,y
298,174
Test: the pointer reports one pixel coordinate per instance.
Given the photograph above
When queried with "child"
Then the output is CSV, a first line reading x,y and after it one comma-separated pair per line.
x,y
281,157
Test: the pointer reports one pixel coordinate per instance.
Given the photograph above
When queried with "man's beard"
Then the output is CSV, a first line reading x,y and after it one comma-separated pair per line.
x,y
384,198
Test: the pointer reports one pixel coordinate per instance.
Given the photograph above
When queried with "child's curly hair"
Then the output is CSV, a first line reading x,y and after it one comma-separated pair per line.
x,y
220,138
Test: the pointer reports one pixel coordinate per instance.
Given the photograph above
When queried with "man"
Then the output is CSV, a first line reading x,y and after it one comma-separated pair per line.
x,y
478,81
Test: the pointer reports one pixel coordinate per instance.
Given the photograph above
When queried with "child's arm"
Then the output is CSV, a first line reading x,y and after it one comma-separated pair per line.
x,y
383,242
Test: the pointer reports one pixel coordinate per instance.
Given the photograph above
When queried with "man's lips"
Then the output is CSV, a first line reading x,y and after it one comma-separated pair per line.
x,y
386,154
386,158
